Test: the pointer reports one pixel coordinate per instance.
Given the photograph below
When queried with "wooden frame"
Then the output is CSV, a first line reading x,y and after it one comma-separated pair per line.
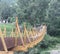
x,y
24,46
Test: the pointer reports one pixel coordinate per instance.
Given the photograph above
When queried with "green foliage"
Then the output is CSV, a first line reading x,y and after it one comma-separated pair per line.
x,y
12,19
33,11
28,25
8,27
2,6
7,12
49,41
39,12
53,18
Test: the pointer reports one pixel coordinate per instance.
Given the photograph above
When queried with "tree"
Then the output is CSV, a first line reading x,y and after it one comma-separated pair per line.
x,y
32,11
53,19
7,12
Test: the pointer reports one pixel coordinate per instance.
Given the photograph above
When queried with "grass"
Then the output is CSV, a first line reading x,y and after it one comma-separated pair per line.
x,y
8,26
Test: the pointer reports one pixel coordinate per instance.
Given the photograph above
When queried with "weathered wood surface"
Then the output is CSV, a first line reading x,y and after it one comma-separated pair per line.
x,y
10,42
3,52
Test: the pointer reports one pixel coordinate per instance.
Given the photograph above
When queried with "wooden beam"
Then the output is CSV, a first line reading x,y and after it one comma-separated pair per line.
x,y
3,41
9,52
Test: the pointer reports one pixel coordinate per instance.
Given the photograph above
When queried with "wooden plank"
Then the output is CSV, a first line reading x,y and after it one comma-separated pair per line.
x,y
3,41
9,52
4,44
20,48
9,43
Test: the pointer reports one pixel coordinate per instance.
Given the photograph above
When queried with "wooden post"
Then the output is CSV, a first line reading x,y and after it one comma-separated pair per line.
x,y
9,52
3,41
12,33
4,32
26,33
18,30
31,35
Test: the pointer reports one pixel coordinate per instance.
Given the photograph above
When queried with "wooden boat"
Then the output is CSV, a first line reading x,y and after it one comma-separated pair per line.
x,y
21,42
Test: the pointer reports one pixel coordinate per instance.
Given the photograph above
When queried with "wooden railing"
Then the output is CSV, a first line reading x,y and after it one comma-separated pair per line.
x,y
33,37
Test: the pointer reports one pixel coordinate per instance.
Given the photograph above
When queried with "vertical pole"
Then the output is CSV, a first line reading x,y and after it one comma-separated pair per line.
x,y
16,37
3,42
12,33
4,32
26,33
31,34
18,30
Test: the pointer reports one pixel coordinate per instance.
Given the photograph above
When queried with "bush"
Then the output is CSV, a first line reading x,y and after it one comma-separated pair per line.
x,y
12,19
28,25
49,41
8,27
